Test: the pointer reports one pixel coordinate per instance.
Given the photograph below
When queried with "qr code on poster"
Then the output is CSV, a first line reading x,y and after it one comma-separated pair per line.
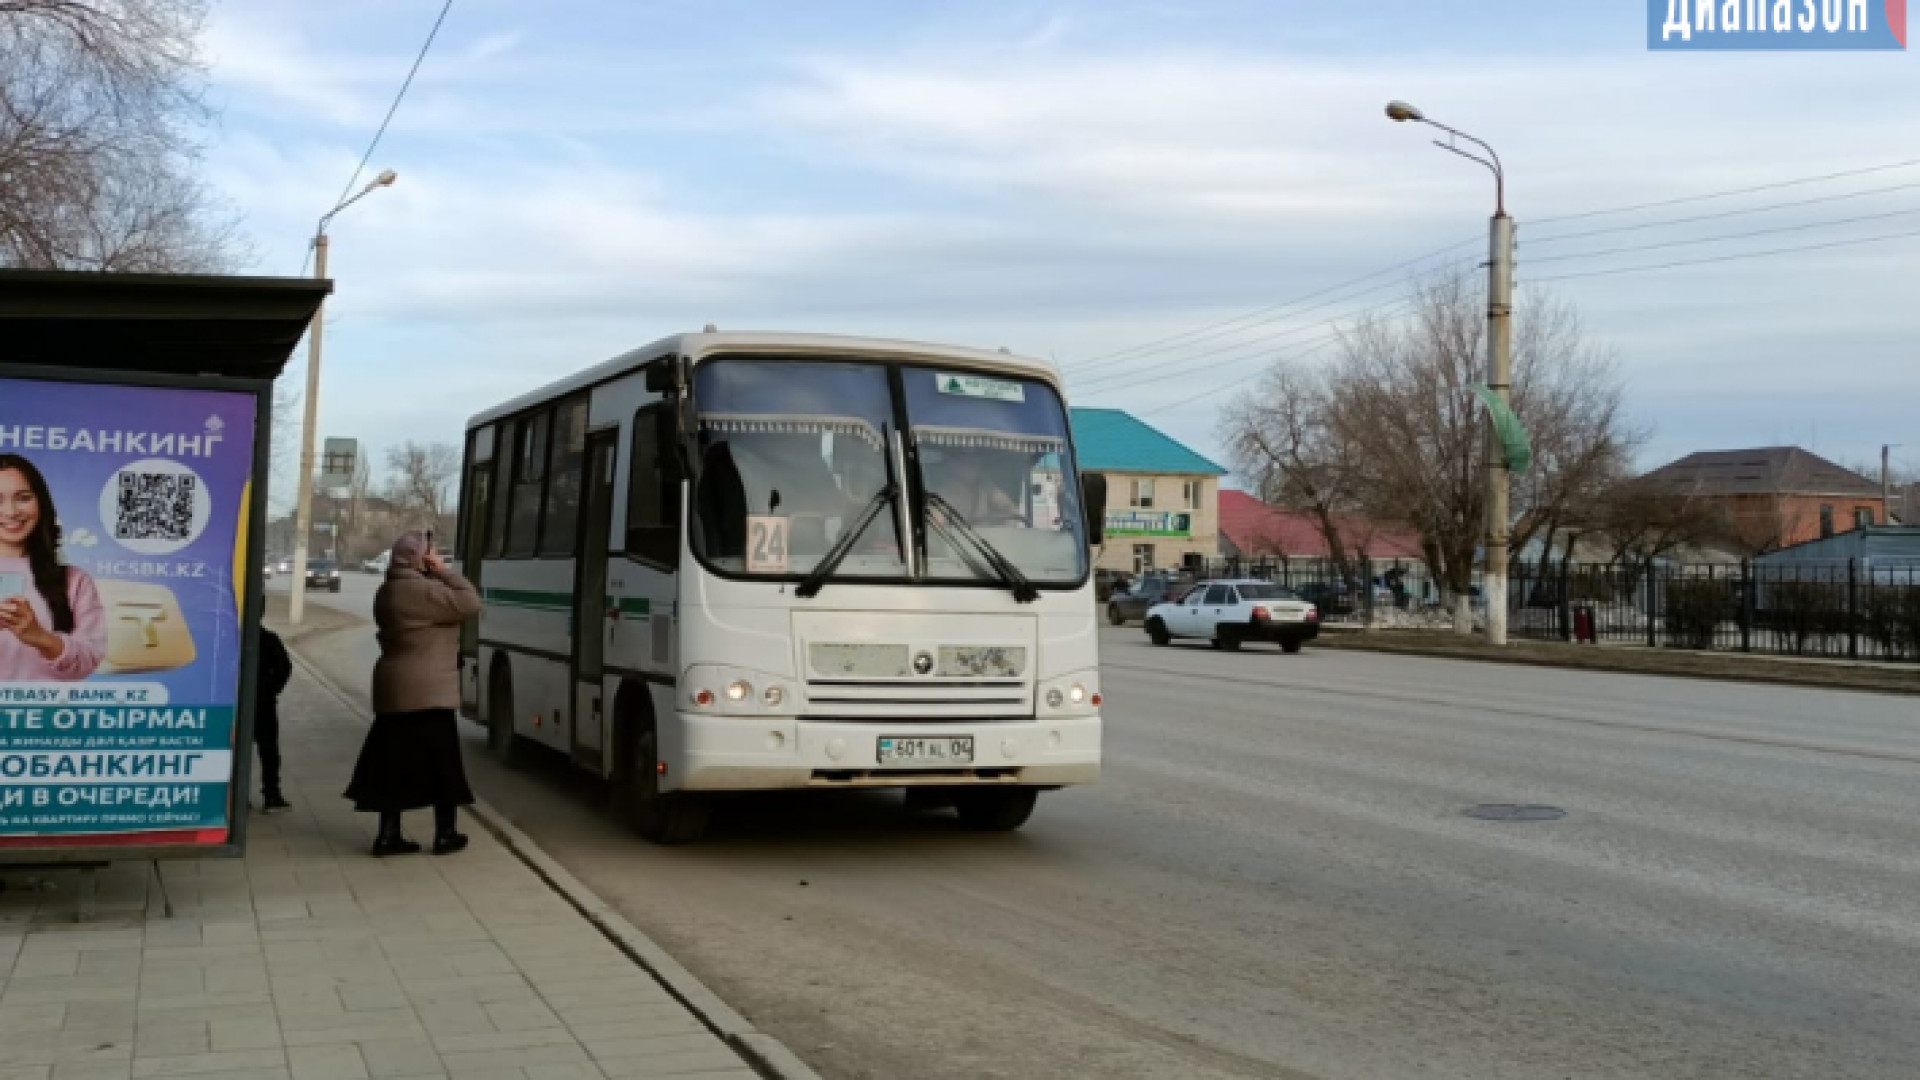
x,y
155,506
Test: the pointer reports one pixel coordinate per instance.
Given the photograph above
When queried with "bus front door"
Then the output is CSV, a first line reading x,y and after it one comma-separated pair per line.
x,y
590,605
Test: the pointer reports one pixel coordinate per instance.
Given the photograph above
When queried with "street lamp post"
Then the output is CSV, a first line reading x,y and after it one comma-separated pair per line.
x,y
1499,360
303,514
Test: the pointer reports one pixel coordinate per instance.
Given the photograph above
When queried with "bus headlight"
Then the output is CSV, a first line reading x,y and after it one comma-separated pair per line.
x,y
739,690
773,697
703,698
1076,693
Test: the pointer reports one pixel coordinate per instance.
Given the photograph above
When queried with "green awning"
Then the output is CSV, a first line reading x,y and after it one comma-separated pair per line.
x,y
1508,429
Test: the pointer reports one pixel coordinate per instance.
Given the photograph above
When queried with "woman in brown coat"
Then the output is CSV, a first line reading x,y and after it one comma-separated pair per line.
x,y
411,757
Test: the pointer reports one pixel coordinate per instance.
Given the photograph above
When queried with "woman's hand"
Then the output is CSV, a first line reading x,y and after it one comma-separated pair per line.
x,y
18,619
432,563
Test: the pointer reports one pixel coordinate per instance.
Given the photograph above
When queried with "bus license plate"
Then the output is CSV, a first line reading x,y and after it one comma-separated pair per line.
x,y
926,750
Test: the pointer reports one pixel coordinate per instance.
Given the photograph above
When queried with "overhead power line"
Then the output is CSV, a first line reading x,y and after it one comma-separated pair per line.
x,y
1178,343
1775,186
1724,239
1202,333
1112,377
1729,258
1532,240
398,97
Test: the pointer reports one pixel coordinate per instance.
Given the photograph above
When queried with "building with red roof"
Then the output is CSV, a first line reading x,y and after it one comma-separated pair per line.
x,y
1251,529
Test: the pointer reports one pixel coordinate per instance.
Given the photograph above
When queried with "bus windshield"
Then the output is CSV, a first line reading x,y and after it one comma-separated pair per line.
x,y
791,456
795,453
994,450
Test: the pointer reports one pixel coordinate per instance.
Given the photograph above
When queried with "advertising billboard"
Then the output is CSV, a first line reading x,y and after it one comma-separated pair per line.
x,y
123,539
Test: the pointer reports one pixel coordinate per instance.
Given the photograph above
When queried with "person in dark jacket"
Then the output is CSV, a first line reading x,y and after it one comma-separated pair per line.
x,y
411,757
276,669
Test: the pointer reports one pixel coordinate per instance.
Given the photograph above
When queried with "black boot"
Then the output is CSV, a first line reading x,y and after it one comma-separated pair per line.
x,y
446,841
391,841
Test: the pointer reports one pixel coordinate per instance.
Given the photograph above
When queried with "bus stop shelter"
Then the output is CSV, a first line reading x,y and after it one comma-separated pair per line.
x,y
135,426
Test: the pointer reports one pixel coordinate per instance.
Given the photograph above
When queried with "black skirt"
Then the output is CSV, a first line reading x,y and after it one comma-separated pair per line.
x,y
410,760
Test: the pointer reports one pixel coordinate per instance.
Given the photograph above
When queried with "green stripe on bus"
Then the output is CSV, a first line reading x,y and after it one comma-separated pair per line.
x,y
638,607
529,598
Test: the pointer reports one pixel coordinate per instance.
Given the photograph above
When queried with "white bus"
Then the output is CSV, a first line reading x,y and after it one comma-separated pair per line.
x,y
744,562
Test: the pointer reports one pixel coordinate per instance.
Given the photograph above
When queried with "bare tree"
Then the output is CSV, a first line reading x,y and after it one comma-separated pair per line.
x,y
421,482
1401,400
98,103
1283,440
1644,520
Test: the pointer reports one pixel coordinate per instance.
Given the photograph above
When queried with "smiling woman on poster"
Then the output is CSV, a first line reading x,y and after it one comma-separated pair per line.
x,y
53,627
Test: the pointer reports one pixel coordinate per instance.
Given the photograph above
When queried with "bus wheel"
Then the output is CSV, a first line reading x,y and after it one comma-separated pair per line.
x,y
508,748
995,809
662,818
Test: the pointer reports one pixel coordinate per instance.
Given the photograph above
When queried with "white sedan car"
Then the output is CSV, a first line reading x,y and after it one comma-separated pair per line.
x,y
1229,613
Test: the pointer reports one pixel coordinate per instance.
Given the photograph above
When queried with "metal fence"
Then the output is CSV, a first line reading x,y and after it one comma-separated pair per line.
x,y
1856,608
1365,591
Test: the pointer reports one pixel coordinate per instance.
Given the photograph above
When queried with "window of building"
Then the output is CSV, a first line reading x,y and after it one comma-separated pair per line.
x,y
1141,495
529,480
1142,558
1826,520
1862,517
565,462
1190,491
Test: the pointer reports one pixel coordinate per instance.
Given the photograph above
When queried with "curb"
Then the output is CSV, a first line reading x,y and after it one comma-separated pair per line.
x,y
763,1052
1759,676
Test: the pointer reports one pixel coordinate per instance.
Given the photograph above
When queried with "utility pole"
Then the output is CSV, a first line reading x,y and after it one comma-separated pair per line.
x,y
303,512
1499,380
1499,361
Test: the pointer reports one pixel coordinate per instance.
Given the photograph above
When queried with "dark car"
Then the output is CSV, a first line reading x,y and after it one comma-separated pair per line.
x,y
1132,605
323,574
1331,597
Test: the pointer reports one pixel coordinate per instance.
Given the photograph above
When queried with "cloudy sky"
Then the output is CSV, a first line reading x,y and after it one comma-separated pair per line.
x,y
1071,180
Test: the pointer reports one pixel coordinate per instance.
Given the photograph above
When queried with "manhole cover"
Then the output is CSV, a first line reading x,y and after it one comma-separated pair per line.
x,y
1515,812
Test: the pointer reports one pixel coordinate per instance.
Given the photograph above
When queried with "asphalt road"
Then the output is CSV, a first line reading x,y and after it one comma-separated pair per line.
x,y
1276,879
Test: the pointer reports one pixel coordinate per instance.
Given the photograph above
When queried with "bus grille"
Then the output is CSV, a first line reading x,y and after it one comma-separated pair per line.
x,y
896,700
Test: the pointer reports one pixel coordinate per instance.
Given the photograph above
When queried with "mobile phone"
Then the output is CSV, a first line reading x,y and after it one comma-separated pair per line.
x,y
12,585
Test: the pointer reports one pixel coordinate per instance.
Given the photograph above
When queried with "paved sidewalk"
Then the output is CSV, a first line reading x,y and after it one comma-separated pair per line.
x,y
310,960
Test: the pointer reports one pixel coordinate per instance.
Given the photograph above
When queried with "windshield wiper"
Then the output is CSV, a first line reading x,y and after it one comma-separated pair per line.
x,y
1009,574
837,554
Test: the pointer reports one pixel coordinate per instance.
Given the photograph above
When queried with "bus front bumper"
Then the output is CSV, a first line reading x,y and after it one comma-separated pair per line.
x,y
736,753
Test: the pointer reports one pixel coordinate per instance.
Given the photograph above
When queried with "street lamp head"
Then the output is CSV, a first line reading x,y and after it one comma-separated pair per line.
x,y
385,179
1400,111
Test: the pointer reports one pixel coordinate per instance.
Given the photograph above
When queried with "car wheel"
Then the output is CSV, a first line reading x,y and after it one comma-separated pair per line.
x,y
995,809
1291,646
1115,615
660,817
1226,641
1157,632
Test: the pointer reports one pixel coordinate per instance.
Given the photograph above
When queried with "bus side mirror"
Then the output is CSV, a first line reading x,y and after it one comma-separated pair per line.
x,y
1093,496
663,374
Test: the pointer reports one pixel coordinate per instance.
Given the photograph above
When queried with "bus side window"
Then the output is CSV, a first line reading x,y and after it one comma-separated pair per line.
x,y
653,490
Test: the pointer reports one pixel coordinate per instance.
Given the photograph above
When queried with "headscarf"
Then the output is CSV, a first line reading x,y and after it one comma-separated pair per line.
x,y
409,552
